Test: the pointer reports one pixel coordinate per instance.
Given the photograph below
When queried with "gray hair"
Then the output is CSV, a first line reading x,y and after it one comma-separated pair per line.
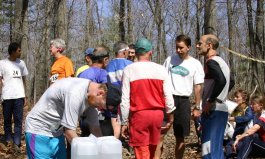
x,y
58,43
120,46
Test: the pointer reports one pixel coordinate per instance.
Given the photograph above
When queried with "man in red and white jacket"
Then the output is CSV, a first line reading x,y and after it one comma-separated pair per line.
x,y
145,93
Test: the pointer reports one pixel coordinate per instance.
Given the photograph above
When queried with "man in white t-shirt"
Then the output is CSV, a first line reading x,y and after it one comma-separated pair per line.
x,y
185,73
55,116
12,83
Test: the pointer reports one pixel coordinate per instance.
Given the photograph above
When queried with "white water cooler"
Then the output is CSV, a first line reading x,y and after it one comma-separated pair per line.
x,y
91,147
109,148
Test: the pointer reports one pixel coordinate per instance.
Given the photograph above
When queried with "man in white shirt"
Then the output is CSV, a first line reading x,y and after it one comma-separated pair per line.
x,y
185,73
12,83
55,116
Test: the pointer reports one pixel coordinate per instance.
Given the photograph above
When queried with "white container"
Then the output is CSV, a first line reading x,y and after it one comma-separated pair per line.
x,y
84,148
109,148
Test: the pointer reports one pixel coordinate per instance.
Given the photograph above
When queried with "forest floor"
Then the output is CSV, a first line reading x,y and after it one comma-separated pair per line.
x,y
191,151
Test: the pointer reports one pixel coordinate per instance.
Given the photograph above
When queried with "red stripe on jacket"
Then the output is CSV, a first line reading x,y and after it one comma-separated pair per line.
x,y
146,94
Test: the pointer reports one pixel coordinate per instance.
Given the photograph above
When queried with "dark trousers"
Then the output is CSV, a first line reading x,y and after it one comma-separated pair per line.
x,y
13,107
248,144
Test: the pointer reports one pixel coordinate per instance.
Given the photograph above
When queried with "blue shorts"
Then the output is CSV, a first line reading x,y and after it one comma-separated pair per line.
x,y
40,146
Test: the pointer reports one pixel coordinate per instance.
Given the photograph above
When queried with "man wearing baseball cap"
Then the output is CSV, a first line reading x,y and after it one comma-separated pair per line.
x,y
88,53
145,94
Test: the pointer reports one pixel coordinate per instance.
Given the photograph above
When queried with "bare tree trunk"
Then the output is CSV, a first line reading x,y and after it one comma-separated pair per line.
x,y
60,21
88,15
129,21
231,33
121,20
259,38
99,35
157,12
42,56
210,17
20,35
164,41
198,25
254,68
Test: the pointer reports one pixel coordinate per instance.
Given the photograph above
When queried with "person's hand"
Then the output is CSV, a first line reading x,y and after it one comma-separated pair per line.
x,y
125,131
235,143
231,119
207,108
164,129
196,113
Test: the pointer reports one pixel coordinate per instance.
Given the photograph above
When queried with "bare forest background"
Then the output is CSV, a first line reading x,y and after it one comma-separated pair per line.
x,y
87,23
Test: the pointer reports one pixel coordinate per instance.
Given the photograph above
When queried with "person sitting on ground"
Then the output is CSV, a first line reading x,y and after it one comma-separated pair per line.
x,y
88,53
240,117
254,137
243,114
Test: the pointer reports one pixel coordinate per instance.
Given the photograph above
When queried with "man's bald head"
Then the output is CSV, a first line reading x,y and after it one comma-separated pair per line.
x,y
210,38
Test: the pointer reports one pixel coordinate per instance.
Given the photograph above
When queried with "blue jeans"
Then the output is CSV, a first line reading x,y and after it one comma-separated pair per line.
x,y
13,107
213,127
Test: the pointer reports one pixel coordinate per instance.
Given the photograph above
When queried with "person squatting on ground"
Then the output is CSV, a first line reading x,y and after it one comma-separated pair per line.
x,y
88,53
115,71
214,110
185,73
145,94
252,139
63,66
55,116
12,85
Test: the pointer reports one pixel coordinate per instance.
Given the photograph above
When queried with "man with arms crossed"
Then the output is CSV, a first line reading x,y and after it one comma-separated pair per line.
x,y
55,116
185,73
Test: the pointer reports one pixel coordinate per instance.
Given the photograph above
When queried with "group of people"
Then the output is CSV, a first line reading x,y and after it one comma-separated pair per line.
x,y
130,97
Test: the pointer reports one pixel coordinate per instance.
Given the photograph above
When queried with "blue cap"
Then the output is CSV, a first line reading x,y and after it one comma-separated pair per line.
x,y
89,51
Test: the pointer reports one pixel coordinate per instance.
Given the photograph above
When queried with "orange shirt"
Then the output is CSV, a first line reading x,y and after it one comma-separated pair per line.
x,y
61,68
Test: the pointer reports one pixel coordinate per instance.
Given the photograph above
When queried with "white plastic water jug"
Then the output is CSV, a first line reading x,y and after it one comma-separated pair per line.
x,y
109,147
84,148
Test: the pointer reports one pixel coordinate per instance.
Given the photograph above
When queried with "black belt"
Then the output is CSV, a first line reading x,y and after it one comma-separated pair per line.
x,y
182,97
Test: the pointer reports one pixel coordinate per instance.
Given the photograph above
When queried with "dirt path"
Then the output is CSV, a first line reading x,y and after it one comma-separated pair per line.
x,y
169,146
191,151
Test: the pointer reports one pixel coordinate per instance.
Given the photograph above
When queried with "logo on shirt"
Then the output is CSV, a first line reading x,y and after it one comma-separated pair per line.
x,y
179,70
